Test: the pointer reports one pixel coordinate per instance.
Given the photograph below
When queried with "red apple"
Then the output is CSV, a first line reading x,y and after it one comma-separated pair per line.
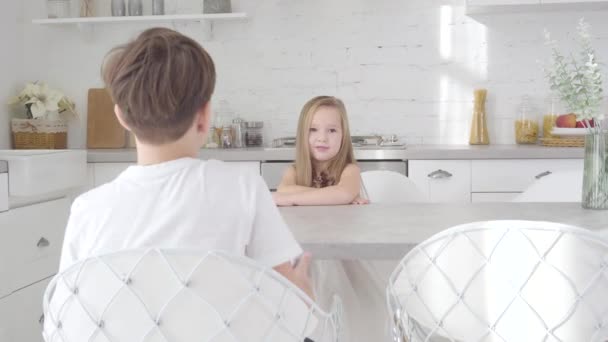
x,y
566,120
581,124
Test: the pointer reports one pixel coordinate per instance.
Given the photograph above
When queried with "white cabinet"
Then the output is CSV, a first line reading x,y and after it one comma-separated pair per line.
x,y
515,175
442,180
21,314
32,237
502,180
499,180
30,247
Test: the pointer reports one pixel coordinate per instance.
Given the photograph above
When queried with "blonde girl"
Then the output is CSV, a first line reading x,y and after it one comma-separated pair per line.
x,y
325,171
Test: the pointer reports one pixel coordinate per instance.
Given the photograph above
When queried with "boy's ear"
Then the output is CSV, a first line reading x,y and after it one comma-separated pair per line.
x,y
118,113
203,120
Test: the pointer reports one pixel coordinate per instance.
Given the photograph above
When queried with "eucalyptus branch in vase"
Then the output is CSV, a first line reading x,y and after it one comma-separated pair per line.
x,y
578,83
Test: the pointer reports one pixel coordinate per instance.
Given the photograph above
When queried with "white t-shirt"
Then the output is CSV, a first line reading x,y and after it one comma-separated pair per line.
x,y
184,203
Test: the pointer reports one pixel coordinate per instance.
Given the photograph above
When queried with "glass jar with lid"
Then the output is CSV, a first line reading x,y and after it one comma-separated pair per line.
x,y
554,108
254,134
226,137
58,9
238,132
526,123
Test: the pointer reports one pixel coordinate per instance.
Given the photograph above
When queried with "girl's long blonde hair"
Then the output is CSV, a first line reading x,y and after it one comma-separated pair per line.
x,y
345,156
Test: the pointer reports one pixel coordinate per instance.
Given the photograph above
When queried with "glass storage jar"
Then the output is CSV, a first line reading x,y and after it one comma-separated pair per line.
x,y
118,8
56,9
254,134
554,109
526,124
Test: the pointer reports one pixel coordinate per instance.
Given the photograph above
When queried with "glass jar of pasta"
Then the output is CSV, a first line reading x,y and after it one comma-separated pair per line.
x,y
554,108
526,123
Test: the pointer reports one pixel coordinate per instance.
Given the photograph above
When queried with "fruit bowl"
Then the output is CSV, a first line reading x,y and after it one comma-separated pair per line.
x,y
569,132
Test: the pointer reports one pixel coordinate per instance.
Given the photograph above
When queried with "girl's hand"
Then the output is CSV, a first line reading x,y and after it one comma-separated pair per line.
x,y
360,200
282,199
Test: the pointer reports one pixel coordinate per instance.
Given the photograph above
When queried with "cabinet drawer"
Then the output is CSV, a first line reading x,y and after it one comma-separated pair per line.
x,y
25,310
36,234
442,180
515,175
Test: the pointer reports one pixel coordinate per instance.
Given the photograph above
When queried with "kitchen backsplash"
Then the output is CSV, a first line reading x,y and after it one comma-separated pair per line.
x,y
407,67
11,36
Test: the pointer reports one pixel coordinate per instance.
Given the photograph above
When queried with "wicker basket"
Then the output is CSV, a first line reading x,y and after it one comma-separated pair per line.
x,y
39,134
563,141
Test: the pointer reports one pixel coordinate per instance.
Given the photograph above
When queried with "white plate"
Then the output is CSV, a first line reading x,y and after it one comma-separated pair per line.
x,y
569,131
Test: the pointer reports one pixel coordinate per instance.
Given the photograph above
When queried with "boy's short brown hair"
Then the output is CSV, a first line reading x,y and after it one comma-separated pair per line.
x,y
159,81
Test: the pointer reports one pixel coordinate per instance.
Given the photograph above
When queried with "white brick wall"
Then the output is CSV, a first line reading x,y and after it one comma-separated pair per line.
x,y
11,55
407,67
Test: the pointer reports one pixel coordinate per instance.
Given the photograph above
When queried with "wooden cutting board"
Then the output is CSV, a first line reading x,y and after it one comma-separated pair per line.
x,y
103,129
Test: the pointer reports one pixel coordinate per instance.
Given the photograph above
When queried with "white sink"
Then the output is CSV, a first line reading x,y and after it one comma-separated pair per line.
x,y
43,173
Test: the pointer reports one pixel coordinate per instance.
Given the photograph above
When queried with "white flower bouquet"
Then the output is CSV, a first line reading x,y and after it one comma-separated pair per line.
x,y
578,82
39,100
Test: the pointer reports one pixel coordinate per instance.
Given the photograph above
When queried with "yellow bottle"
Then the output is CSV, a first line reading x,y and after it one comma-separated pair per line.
x,y
479,126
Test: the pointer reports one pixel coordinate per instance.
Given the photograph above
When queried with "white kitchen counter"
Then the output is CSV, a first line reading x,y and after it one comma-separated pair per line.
x,y
414,152
380,231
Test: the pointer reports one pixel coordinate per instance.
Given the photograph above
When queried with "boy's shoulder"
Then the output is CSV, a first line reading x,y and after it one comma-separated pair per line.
x,y
220,173
229,170
93,196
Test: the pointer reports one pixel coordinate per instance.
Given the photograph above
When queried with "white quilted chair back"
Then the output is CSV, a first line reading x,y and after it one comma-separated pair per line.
x,y
508,281
179,296
382,186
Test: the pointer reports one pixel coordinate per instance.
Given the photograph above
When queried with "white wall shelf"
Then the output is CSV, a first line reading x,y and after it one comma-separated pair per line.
x,y
141,19
475,7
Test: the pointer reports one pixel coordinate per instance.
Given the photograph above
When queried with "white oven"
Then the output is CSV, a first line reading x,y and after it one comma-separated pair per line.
x,y
272,172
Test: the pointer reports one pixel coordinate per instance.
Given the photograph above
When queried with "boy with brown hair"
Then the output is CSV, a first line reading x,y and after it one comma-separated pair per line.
x,y
161,84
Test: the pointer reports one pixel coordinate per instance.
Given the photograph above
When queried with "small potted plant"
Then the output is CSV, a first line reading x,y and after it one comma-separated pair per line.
x,y
44,125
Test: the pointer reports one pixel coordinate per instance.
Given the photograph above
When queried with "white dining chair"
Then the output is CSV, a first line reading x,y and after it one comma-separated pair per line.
x,y
558,186
180,296
507,281
382,186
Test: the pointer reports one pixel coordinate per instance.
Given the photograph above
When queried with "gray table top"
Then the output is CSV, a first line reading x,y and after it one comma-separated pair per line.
x,y
388,231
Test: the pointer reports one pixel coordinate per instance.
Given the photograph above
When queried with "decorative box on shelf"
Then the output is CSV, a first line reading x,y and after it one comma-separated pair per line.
x,y
39,134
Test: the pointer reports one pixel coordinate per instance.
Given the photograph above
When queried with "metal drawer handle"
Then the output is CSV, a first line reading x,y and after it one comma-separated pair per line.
x,y
542,174
438,174
43,242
